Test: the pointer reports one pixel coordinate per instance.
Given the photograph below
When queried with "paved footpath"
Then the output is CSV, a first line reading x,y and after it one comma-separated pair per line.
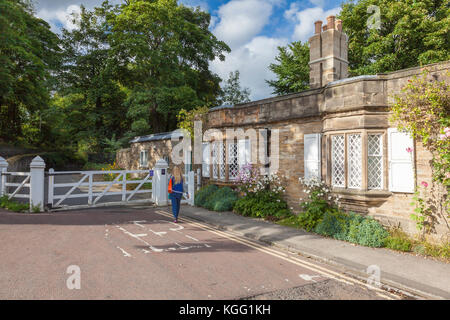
x,y
422,277
139,253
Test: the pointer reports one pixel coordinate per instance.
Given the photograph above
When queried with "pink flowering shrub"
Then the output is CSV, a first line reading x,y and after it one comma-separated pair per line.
x,y
262,195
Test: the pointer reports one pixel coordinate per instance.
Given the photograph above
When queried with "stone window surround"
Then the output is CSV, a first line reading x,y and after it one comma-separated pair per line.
x,y
143,165
362,192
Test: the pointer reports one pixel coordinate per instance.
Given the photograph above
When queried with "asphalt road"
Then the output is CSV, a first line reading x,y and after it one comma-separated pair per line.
x,y
139,253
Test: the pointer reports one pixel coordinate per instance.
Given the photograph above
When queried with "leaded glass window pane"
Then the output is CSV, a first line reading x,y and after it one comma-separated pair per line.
x,y
375,161
338,161
233,164
354,150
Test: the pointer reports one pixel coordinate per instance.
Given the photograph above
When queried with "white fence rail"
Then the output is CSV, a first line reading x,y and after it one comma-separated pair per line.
x,y
19,186
78,189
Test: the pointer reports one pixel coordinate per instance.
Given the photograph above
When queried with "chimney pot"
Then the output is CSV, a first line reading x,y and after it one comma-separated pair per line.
x,y
330,22
324,28
338,25
318,26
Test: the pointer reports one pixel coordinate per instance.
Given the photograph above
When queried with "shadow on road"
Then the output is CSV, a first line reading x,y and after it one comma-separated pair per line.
x,y
90,216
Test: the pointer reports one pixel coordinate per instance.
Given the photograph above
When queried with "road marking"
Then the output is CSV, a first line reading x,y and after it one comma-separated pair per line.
x,y
139,238
308,277
125,254
319,269
187,236
155,249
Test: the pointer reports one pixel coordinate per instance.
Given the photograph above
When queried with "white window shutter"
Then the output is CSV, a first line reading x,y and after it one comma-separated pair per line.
x,y
401,169
312,154
241,153
206,159
248,151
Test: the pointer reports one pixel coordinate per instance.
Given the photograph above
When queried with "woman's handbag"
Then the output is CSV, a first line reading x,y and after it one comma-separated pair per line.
x,y
170,185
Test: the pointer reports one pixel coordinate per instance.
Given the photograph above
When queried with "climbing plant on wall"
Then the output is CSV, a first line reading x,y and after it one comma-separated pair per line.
x,y
423,109
186,118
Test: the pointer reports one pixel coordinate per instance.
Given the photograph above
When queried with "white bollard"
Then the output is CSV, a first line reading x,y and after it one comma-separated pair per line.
x,y
199,178
191,187
160,182
3,169
37,167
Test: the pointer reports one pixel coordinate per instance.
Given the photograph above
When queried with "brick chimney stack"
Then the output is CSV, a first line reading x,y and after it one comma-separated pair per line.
x,y
328,53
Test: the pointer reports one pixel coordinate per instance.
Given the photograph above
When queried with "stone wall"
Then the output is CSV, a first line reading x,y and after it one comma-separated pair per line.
x,y
359,103
157,149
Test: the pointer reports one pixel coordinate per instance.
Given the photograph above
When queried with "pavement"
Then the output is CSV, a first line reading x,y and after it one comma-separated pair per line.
x,y
407,273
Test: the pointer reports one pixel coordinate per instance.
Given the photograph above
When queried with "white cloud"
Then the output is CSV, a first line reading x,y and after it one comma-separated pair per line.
x,y
252,60
60,16
241,20
305,19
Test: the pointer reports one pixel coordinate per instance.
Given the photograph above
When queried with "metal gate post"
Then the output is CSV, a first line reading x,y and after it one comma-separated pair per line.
x,y
159,183
37,167
3,169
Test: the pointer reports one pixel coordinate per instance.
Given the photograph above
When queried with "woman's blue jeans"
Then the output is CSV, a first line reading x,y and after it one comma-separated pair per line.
x,y
175,206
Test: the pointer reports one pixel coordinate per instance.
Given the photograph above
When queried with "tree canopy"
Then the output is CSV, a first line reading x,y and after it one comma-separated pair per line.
x,y
291,69
411,33
232,92
124,70
28,55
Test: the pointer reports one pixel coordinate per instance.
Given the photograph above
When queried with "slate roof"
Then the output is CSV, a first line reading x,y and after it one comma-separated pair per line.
x,y
157,136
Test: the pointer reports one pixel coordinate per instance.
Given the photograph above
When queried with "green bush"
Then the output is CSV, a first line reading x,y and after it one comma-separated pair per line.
x,y
313,213
434,250
262,204
399,244
352,227
368,232
398,240
214,198
221,200
13,205
202,195
333,224
225,204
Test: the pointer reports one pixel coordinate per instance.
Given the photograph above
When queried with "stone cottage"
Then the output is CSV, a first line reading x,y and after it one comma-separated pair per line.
x,y
144,151
337,131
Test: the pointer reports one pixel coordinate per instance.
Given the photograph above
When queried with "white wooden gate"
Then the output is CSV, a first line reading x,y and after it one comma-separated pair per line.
x,y
86,189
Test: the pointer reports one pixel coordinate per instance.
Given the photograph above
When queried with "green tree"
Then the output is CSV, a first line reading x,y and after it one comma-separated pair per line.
x,y
91,100
291,69
28,54
412,33
162,52
232,92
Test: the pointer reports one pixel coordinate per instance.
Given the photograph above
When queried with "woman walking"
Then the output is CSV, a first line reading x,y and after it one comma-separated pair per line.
x,y
176,191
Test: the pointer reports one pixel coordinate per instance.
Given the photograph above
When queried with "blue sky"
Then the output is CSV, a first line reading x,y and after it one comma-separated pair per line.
x,y
252,28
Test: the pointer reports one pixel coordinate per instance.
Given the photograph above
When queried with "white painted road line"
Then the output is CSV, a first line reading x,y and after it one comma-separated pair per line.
x,y
308,265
